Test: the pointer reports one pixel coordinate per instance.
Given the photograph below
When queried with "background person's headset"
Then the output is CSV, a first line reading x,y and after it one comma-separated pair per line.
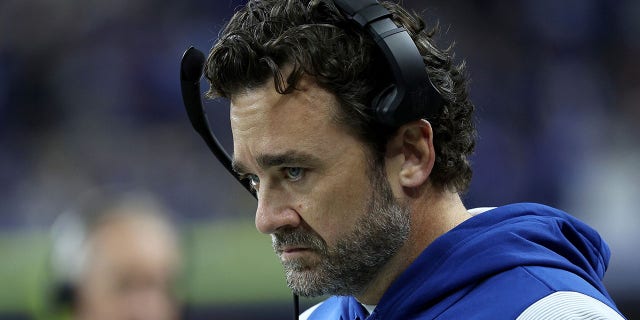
x,y
397,104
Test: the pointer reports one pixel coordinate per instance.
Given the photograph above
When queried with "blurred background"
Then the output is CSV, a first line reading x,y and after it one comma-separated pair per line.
x,y
89,96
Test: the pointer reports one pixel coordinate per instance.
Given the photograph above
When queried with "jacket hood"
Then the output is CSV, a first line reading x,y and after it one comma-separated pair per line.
x,y
500,239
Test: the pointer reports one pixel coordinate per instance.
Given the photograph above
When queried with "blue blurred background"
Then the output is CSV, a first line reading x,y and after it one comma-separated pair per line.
x,y
89,96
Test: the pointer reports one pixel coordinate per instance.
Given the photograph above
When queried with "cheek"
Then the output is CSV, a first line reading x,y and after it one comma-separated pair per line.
x,y
334,210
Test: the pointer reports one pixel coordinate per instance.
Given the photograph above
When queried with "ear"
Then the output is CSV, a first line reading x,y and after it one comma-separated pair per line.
x,y
414,141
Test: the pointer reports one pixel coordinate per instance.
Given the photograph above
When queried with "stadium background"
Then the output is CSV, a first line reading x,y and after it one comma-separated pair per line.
x,y
89,96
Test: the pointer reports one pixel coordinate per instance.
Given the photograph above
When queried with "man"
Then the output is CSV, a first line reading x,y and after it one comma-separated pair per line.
x,y
371,213
116,257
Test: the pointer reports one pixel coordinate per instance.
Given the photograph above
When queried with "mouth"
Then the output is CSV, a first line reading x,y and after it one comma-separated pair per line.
x,y
291,252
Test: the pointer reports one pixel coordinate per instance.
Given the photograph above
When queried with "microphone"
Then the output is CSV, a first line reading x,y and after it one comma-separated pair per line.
x,y
191,68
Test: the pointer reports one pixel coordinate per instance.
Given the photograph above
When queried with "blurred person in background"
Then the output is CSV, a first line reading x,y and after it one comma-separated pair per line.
x,y
116,258
369,210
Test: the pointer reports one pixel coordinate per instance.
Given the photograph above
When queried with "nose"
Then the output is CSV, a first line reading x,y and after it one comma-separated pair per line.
x,y
275,211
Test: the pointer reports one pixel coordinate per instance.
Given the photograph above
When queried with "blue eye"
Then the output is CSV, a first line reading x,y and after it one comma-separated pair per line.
x,y
254,181
294,173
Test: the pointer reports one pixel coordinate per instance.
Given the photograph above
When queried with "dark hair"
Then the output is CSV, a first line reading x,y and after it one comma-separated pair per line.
x,y
314,38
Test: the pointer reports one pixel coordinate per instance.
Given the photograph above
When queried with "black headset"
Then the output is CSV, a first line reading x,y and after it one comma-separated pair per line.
x,y
394,106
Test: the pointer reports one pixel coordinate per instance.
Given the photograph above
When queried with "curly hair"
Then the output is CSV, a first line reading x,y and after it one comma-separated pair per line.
x,y
314,38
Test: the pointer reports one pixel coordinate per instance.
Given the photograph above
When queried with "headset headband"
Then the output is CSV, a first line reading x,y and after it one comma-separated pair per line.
x,y
401,101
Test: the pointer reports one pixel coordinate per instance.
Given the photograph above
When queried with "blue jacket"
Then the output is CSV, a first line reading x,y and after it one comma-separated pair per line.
x,y
492,266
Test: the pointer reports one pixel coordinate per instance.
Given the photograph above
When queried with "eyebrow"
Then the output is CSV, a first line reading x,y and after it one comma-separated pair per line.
x,y
289,157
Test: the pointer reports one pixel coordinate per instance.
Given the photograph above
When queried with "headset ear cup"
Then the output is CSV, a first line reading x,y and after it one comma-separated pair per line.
x,y
64,296
411,95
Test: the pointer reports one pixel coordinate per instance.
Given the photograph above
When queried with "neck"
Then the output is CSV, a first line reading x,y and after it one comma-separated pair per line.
x,y
431,216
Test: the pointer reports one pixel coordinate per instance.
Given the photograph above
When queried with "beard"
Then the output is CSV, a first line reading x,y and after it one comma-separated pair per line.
x,y
348,267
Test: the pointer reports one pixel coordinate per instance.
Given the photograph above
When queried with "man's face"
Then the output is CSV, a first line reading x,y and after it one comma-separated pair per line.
x,y
130,274
331,213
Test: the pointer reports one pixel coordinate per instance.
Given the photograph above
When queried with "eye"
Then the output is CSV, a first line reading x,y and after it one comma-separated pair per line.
x,y
293,173
254,181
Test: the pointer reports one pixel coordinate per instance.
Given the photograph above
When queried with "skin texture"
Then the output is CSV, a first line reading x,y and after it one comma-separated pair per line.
x,y
275,134
130,271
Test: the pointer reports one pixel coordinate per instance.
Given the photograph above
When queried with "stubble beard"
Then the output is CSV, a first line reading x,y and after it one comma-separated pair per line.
x,y
356,259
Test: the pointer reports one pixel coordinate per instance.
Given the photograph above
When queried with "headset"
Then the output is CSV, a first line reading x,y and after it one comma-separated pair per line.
x,y
395,105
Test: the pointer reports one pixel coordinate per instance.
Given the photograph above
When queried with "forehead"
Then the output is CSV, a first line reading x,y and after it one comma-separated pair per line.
x,y
263,119
309,97
126,241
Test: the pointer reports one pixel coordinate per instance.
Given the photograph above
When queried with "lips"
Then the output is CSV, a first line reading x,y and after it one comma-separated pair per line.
x,y
293,249
287,253
296,243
